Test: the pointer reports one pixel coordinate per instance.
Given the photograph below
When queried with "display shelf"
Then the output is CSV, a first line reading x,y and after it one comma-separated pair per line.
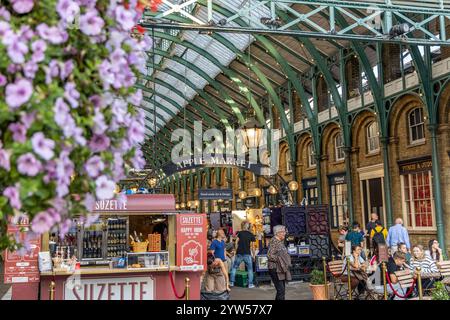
x,y
93,270
147,260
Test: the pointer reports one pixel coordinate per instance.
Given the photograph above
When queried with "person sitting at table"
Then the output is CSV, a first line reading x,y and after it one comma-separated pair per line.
x,y
402,247
358,275
394,264
434,251
427,265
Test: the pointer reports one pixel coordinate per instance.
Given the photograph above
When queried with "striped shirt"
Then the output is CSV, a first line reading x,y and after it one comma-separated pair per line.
x,y
427,265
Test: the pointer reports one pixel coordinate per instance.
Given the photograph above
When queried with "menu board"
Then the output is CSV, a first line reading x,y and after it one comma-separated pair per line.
x,y
22,268
191,241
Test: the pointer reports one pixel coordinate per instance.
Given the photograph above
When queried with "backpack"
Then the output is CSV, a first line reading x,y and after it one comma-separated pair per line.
x,y
378,237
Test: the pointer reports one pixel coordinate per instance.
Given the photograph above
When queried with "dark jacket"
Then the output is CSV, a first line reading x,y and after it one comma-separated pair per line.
x,y
279,259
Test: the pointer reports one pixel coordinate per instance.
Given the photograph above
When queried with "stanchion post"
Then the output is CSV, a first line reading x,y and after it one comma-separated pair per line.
x,y
187,286
349,278
419,283
325,277
383,270
52,286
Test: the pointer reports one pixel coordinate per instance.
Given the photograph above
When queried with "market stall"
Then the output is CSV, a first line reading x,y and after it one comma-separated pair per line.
x,y
141,249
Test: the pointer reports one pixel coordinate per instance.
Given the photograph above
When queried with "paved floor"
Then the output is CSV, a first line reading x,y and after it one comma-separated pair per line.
x,y
5,292
294,291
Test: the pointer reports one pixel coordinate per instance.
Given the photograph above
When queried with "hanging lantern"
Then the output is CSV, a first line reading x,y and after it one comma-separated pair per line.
x,y
252,133
177,206
272,190
293,185
242,194
258,192
152,181
197,203
182,205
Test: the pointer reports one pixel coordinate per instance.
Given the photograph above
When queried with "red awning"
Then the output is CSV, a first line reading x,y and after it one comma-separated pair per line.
x,y
139,203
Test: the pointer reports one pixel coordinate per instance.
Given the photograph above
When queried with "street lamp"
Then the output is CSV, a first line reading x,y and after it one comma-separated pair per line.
x,y
242,194
293,186
152,181
252,133
272,190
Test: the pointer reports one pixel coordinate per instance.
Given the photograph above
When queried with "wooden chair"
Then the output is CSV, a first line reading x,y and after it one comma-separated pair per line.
x,y
444,268
405,279
340,288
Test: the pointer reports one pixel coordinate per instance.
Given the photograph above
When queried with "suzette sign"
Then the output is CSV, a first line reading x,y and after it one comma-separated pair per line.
x,y
131,288
191,241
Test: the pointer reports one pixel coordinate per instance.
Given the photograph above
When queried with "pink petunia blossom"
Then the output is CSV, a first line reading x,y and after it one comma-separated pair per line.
x,y
19,132
99,142
91,23
27,164
12,193
22,6
43,146
5,156
67,10
104,188
94,166
18,93
42,222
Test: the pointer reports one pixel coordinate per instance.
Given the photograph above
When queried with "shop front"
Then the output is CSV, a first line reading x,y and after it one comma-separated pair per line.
x,y
310,191
338,199
140,249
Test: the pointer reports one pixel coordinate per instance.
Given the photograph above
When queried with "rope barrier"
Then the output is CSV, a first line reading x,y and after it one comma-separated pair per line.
x,y
334,275
174,289
408,293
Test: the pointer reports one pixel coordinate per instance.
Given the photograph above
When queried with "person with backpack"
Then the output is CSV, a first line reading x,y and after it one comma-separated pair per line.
x,y
378,239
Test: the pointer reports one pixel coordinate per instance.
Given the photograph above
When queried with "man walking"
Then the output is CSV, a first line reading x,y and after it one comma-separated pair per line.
x,y
243,253
397,234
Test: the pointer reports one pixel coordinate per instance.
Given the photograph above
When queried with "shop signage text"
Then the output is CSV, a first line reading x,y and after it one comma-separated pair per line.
x,y
22,268
340,179
215,194
311,183
110,205
416,167
191,241
132,288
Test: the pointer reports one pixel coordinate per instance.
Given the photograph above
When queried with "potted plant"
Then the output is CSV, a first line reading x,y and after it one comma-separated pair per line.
x,y
317,285
439,292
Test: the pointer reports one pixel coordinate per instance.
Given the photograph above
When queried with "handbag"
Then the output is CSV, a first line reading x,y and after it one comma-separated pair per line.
x,y
215,295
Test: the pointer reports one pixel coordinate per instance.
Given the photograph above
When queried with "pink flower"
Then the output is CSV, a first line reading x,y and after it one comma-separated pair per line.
x,y
64,228
18,93
19,132
27,164
43,222
52,34
138,161
2,80
22,6
136,132
99,142
125,18
90,219
89,202
104,188
67,10
4,159
12,193
71,94
42,146
94,166
91,24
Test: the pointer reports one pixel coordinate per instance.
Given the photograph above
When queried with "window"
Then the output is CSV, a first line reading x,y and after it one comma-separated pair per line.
x,y
338,204
339,147
312,196
311,156
418,202
416,126
288,162
373,141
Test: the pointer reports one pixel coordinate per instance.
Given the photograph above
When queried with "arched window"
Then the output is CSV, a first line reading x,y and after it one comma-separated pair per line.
x,y
288,162
311,156
416,126
339,147
373,140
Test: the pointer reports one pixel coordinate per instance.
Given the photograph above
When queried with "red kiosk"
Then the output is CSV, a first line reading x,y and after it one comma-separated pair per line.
x,y
162,275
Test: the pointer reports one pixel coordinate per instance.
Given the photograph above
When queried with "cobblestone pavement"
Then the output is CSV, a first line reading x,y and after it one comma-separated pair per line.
x,y
4,288
294,291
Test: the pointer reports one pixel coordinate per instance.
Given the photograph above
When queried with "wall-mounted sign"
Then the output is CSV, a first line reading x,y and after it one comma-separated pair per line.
x,y
215,194
417,165
130,288
338,179
221,160
309,183
191,241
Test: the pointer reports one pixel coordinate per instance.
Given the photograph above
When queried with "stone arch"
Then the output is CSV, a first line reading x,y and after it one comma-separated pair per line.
x,y
282,160
329,132
444,105
402,106
359,129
